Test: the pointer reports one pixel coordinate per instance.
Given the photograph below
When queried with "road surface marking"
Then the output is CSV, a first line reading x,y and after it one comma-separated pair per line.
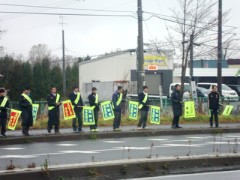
x,y
18,156
158,139
67,145
114,142
13,148
76,152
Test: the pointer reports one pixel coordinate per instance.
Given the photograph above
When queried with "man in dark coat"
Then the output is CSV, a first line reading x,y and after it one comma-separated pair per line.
x,y
213,104
77,103
117,100
93,101
4,104
54,102
143,106
176,105
25,104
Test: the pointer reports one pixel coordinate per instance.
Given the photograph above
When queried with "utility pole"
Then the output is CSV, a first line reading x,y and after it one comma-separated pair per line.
x,y
220,56
140,50
191,58
63,60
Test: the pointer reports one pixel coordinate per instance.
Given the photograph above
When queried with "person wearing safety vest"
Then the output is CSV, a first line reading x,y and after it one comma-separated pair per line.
x,y
25,104
4,104
117,100
54,102
77,103
143,106
93,101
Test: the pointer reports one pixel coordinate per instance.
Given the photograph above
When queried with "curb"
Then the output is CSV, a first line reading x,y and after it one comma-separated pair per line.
x,y
111,134
132,168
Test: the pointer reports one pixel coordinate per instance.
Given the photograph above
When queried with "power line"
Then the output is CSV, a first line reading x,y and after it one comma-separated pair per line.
x,y
67,14
60,8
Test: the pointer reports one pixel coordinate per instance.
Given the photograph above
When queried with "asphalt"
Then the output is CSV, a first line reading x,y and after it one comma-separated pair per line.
x,y
100,150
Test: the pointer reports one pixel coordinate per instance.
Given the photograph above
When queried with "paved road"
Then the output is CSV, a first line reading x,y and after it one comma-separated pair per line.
x,y
124,128
233,175
69,152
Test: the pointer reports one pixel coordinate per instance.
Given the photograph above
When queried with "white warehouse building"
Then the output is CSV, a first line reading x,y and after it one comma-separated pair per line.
x,y
110,70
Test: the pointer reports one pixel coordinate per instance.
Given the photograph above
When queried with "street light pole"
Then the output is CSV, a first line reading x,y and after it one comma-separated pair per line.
x,y
191,57
220,56
140,50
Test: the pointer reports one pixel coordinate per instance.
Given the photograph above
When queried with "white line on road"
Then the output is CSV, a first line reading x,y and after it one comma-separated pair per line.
x,y
114,142
67,145
13,148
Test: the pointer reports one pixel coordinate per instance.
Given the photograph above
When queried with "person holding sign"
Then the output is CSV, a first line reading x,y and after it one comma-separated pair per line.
x,y
144,102
4,104
54,101
176,106
117,100
25,104
213,105
77,103
93,101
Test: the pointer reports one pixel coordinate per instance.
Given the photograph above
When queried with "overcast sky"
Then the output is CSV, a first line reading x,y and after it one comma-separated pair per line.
x,y
88,35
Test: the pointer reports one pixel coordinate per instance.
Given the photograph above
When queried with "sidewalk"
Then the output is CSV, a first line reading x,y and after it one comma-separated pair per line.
x,y
36,132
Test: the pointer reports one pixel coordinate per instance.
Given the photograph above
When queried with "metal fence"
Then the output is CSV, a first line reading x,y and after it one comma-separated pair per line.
x,y
164,103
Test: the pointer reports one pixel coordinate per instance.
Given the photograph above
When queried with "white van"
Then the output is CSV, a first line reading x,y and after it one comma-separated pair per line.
x,y
227,92
187,89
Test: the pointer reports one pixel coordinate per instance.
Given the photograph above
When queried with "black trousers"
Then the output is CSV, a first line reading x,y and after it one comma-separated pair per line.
x,y
143,120
53,120
117,119
96,121
175,121
214,114
3,122
78,120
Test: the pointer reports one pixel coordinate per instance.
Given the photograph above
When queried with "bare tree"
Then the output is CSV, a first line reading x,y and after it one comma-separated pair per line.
x,y
39,52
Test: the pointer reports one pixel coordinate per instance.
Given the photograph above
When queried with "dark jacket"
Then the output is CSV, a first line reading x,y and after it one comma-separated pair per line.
x,y
176,103
3,110
213,100
72,97
141,96
26,108
25,104
115,98
91,99
51,100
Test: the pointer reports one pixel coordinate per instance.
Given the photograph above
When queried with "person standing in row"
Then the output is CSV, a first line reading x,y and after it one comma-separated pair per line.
x,y
4,104
213,105
77,103
54,101
93,101
144,103
117,100
25,104
176,105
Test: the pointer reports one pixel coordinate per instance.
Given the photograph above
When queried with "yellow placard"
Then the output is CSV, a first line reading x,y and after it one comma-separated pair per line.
x,y
227,111
14,116
68,111
189,109
34,112
155,115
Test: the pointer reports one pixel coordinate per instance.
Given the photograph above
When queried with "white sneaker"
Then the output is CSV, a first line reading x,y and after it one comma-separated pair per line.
x,y
139,128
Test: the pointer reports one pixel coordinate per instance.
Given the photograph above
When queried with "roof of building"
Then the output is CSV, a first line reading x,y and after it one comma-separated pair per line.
x,y
233,61
105,56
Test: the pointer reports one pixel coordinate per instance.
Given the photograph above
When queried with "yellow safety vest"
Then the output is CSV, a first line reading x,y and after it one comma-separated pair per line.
x,y
57,100
119,99
77,98
143,101
4,102
27,98
96,98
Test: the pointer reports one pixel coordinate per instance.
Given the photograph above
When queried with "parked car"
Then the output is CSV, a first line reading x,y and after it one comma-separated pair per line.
x,y
202,92
235,88
227,92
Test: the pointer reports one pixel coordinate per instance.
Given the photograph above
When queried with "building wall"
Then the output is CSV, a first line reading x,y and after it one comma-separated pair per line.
x,y
208,64
113,68
234,66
